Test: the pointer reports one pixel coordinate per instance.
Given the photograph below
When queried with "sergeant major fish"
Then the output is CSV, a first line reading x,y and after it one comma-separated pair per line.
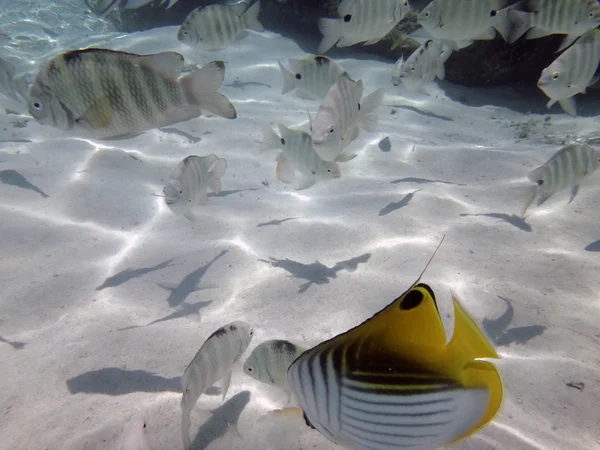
x,y
190,180
360,21
572,72
111,94
341,114
299,154
215,27
422,66
394,381
311,77
546,17
269,362
213,361
566,168
458,23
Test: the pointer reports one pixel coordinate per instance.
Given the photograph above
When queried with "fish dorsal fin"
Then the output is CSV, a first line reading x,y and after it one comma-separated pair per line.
x,y
168,64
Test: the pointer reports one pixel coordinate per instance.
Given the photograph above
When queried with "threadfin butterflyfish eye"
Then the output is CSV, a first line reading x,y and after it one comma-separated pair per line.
x,y
395,381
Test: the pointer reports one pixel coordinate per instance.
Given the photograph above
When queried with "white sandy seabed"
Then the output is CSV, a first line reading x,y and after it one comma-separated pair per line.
x,y
81,264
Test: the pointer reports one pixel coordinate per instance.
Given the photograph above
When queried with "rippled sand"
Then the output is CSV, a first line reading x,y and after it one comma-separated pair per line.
x,y
91,332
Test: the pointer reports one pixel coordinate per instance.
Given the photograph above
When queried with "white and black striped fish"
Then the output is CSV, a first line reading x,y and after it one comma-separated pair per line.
x,y
212,362
341,115
106,94
270,360
311,77
459,22
572,72
394,383
299,154
189,182
365,21
422,66
546,17
565,169
215,27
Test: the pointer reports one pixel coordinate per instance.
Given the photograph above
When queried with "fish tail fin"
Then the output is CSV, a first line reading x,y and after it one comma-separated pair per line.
x,y
331,29
521,22
215,175
201,89
289,79
503,23
368,108
251,21
270,139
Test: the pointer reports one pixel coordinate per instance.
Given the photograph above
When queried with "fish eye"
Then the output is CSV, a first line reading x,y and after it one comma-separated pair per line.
x,y
347,18
331,130
144,424
328,170
282,141
411,300
180,192
37,105
493,13
540,182
555,76
427,14
298,76
250,369
251,332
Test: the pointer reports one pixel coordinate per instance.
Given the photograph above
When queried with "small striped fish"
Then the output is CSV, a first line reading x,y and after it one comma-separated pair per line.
x,y
106,94
546,17
566,169
365,21
394,383
572,72
212,362
458,23
299,154
311,77
341,114
422,66
215,27
269,362
189,182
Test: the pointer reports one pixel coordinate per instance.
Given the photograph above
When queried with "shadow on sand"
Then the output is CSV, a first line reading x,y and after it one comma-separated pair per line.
x,y
129,274
512,219
115,381
394,206
14,178
185,309
498,331
317,272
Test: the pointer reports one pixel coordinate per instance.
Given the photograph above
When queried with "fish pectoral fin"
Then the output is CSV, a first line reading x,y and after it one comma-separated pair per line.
x,y
301,93
543,198
304,183
99,115
168,64
241,35
536,33
284,170
226,381
488,35
568,104
373,41
574,191
345,157
189,215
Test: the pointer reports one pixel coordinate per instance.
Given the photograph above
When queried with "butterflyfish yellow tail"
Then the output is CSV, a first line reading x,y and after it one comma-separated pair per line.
x,y
469,343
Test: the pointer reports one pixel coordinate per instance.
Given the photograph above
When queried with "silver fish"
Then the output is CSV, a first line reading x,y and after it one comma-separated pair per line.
x,y
572,72
189,182
565,169
10,83
546,17
110,94
269,362
299,154
422,66
215,27
341,114
213,361
311,77
361,21
134,435
459,22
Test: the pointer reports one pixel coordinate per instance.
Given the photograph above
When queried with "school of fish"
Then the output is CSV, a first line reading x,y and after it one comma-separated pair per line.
x,y
385,383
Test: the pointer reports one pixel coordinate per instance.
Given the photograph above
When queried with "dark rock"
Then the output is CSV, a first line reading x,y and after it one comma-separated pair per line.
x,y
484,63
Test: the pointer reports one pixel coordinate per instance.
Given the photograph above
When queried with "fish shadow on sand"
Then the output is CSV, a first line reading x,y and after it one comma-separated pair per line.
x,y
189,283
422,181
276,222
512,219
14,178
593,246
394,206
317,272
222,419
423,112
237,84
228,193
14,344
385,144
115,381
190,137
498,331
185,309
129,274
